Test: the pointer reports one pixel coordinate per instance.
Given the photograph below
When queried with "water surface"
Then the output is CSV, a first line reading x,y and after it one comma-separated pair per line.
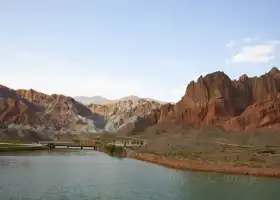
x,y
90,175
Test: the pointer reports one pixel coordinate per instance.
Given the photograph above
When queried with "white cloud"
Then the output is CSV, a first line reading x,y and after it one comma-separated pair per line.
x,y
261,53
252,50
231,44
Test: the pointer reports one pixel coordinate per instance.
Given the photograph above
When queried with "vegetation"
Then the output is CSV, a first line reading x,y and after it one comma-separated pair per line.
x,y
239,149
14,148
114,150
14,142
8,145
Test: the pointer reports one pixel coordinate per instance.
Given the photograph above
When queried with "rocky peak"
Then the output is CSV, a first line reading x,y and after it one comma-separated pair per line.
x,y
249,102
273,70
243,77
212,86
32,95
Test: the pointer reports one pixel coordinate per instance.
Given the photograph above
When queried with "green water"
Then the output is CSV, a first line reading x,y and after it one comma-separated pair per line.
x,y
89,175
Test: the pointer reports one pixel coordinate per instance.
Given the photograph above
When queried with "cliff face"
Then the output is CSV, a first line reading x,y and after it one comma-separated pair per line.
x,y
14,109
29,107
243,104
124,114
61,108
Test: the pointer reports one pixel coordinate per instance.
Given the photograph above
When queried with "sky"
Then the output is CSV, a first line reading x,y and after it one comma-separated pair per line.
x,y
148,48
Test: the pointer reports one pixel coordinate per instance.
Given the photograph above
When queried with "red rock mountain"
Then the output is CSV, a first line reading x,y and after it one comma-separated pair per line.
x,y
30,107
248,103
244,104
14,109
56,112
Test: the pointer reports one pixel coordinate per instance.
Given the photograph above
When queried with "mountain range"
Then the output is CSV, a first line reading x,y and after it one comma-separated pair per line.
x,y
88,100
102,100
246,104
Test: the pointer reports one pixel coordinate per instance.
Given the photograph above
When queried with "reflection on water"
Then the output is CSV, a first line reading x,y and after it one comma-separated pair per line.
x,y
78,174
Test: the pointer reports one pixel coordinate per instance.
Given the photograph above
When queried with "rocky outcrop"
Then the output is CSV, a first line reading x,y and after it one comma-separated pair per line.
x,y
263,114
14,109
29,107
244,104
208,100
124,114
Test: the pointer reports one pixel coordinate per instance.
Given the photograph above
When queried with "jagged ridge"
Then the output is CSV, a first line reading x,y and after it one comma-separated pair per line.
x,y
244,104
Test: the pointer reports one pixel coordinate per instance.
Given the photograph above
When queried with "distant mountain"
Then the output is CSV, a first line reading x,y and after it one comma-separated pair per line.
x,y
130,97
127,98
124,114
102,100
88,100
133,98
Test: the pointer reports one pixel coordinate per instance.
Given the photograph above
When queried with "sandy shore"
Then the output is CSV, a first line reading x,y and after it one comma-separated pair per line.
x,y
207,166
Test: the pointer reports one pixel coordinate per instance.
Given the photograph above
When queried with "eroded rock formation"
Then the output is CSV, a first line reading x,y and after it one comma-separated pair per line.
x,y
243,104
124,114
233,105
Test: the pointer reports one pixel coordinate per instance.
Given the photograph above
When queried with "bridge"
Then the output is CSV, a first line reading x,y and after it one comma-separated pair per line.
x,y
96,142
52,144
128,141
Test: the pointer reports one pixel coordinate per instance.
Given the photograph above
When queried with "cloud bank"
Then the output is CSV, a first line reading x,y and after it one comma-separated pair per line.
x,y
250,50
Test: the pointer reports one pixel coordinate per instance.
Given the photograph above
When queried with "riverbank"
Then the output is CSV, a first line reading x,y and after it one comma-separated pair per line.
x,y
12,149
19,146
206,166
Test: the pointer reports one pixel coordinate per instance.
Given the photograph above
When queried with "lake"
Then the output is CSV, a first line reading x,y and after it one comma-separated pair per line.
x,y
90,175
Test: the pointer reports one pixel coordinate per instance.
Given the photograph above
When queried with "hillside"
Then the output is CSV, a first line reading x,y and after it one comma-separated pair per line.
x,y
121,114
32,110
215,101
246,104
40,111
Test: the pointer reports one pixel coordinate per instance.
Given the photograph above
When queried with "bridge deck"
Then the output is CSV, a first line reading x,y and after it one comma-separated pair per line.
x,y
68,143
56,142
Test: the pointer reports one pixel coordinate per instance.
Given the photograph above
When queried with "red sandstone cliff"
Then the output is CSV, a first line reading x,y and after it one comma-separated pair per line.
x,y
244,104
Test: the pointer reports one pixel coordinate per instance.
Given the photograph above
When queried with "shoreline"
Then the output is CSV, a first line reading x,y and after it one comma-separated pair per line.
x,y
206,166
21,148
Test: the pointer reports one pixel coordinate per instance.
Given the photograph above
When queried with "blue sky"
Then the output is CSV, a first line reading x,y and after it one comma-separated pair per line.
x,y
149,48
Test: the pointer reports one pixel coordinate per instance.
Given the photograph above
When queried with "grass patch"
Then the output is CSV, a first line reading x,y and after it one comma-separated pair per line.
x,y
14,142
9,145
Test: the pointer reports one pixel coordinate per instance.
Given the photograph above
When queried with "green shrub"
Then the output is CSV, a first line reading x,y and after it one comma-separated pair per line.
x,y
114,150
